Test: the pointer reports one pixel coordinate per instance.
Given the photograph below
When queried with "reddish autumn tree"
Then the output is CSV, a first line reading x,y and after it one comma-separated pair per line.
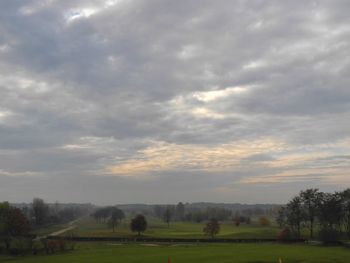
x,y
13,223
18,224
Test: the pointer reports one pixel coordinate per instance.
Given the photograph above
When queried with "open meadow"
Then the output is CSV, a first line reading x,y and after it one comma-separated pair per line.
x,y
88,227
108,252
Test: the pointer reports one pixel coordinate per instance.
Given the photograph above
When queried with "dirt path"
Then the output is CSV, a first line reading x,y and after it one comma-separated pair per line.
x,y
71,226
59,232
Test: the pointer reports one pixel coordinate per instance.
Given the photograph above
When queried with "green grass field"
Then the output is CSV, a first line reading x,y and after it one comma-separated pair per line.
x,y
157,228
191,253
108,252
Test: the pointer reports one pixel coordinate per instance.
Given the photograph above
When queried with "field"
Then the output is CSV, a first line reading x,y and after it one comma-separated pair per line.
x,y
108,252
157,228
192,253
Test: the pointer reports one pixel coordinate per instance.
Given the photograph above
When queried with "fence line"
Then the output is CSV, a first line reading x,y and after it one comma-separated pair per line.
x,y
176,240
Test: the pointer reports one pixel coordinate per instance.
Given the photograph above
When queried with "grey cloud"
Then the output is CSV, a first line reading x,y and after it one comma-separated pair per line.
x,y
114,75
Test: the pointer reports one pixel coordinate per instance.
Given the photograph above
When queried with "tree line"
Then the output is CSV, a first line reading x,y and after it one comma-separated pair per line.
x,y
321,213
17,223
39,213
183,212
111,215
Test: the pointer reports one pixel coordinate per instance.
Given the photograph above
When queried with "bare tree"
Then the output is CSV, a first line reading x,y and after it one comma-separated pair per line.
x,y
40,211
168,213
180,211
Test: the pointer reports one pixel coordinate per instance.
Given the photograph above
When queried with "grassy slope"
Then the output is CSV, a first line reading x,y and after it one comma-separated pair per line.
x,y
218,253
88,227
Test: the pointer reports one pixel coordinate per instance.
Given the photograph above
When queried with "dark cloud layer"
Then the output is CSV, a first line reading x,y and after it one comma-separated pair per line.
x,y
153,100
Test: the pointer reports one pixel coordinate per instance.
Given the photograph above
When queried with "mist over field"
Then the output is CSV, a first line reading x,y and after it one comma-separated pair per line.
x,y
125,101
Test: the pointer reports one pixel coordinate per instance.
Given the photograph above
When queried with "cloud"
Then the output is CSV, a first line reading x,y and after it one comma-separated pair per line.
x,y
225,95
19,174
164,157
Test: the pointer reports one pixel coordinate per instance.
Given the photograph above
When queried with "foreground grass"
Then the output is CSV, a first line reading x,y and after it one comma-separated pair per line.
x,y
156,228
203,253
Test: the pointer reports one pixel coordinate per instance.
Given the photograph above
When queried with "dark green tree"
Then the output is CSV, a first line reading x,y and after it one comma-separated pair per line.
x,y
114,219
295,215
346,207
138,224
310,199
212,228
331,211
117,216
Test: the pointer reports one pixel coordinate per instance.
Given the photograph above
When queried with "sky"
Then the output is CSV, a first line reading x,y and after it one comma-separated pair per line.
x,y
161,101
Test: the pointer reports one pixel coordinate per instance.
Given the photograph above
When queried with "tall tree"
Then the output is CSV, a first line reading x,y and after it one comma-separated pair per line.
x,y
158,211
331,211
13,223
113,221
310,200
281,216
138,224
120,215
346,207
40,211
180,211
116,216
295,215
168,213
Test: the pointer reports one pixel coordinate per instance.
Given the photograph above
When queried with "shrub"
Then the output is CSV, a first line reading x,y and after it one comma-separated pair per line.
x,y
70,244
35,247
62,244
212,228
44,243
52,245
329,235
20,245
284,235
264,221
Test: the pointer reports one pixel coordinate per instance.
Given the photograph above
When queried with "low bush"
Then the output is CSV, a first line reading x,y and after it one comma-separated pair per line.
x,y
329,235
21,246
264,221
284,235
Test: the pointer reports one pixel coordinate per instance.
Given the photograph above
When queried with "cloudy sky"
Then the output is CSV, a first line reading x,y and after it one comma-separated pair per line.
x,y
160,101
